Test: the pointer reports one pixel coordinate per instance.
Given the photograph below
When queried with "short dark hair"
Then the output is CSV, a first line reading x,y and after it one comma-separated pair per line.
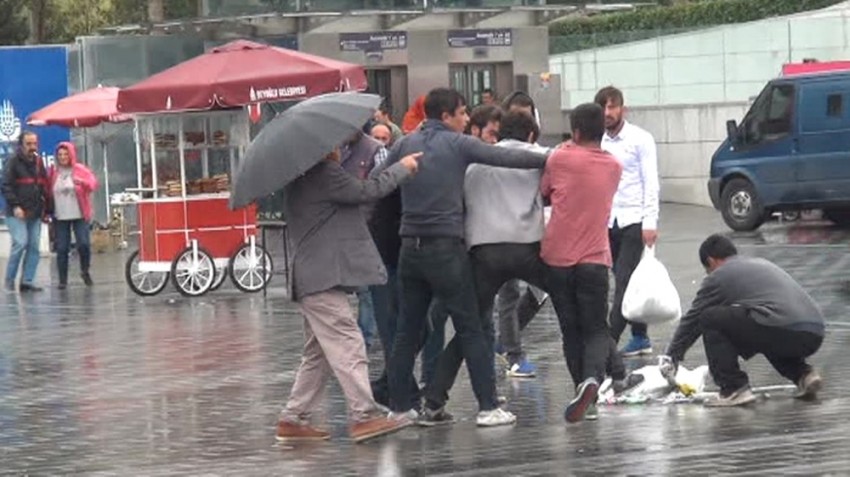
x,y
384,108
518,98
24,134
589,120
518,125
718,247
483,115
443,100
609,93
489,91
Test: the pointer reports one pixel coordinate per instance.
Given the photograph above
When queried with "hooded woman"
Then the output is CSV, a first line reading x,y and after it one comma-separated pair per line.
x,y
414,116
71,186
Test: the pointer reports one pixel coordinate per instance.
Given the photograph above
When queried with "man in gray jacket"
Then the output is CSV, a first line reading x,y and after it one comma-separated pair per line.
x,y
748,306
334,255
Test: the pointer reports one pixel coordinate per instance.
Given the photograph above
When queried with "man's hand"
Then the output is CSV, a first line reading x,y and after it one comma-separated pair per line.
x,y
411,162
19,213
650,237
668,367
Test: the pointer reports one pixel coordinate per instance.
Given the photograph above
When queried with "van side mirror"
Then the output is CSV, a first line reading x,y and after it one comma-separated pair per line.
x,y
732,131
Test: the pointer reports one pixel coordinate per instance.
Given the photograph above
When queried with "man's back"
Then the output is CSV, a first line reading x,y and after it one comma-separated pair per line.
x,y
581,183
760,285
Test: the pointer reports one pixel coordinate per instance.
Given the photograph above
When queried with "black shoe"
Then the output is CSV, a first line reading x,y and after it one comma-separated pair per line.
x,y
431,418
586,396
87,279
624,385
28,287
63,286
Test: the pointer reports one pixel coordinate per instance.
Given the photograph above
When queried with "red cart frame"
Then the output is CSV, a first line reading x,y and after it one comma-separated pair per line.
x,y
186,229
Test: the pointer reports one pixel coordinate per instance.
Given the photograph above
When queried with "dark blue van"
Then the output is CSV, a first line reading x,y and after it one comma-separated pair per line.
x,y
791,152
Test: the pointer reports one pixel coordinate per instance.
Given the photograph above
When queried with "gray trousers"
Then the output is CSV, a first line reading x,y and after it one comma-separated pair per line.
x,y
333,344
515,310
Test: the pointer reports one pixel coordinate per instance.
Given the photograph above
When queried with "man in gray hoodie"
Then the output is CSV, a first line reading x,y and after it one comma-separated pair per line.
x,y
434,261
748,306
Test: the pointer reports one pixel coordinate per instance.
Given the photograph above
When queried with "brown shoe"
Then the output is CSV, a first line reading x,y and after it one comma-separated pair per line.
x,y
809,385
292,432
377,426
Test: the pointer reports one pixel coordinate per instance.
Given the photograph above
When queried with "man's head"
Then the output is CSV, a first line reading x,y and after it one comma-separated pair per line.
x,y
519,126
714,252
484,123
611,100
588,124
448,106
382,133
28,141
488,97
520,102
382,115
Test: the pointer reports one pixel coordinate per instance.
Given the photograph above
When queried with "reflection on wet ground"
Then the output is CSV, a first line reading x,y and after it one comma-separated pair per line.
x,y
102,382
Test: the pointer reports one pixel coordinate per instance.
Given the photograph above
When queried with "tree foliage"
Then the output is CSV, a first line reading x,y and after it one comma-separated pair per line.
x,y
14,27
647,22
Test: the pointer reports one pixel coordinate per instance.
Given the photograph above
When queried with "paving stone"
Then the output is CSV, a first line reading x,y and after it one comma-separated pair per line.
x,y
101,382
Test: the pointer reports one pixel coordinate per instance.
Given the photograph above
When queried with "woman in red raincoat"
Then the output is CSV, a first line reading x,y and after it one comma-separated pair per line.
x,y
71,187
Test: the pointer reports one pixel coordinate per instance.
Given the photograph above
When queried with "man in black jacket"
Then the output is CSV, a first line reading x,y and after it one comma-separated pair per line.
x,y
25,189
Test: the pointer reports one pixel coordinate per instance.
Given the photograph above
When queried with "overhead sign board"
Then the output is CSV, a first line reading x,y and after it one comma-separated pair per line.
x,y
480,38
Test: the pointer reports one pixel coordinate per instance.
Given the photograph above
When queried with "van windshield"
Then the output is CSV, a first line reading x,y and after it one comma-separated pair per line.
x,y
771,116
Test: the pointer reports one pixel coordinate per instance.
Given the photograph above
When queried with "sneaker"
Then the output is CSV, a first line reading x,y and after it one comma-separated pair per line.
x,y
87,279
809,385
632,381
741,397
586,395
377,426
411,415
637,346
29,287
495,417
294,432
433,418
592,413
522,369
63,286
502,400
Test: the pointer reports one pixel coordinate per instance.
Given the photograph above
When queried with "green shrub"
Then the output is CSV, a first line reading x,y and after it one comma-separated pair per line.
x,y
647,22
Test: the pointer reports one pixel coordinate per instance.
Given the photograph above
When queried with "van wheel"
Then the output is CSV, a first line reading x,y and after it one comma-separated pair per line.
x,y
840,217
741,207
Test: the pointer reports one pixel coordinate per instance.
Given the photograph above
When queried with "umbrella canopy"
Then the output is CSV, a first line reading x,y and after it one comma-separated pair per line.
x,y
297,140
240,73
81,110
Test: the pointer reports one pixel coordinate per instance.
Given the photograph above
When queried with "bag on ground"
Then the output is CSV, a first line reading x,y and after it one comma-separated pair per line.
x,y
651,296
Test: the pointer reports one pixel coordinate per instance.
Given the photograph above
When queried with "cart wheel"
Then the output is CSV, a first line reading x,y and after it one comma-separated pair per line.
x,y
193,275
246,268
220,275
143,283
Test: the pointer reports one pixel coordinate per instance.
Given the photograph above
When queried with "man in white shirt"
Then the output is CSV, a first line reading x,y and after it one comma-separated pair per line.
x,y
634,216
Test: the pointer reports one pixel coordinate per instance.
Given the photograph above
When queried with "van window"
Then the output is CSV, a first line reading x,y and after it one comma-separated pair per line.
x,y
834,105
771,115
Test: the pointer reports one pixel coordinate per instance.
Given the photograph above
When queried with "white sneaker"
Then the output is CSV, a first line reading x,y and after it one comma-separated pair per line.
x,y
496,417
411,415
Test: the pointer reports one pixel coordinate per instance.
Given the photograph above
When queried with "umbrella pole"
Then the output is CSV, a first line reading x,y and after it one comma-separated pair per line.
x,y
106,181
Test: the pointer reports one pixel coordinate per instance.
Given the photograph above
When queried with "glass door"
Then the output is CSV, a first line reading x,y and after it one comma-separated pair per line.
x,y
471,80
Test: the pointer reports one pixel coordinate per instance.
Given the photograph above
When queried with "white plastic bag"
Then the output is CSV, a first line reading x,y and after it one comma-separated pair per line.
x,y
651,296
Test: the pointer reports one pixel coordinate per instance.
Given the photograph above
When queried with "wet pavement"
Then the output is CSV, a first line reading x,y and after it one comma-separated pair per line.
x,y
101,382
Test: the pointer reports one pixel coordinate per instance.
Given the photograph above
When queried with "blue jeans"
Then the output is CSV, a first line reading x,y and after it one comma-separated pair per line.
x,y
366,316
26,235
82,233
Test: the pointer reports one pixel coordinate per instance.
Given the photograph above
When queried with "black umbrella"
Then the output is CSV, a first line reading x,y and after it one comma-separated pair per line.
x,y
298,139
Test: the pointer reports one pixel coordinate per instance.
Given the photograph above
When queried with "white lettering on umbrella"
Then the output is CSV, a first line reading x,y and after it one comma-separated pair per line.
x,y
275,93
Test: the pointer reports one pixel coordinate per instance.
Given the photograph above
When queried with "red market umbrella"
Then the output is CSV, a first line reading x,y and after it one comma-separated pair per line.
x,y
238,74
81,110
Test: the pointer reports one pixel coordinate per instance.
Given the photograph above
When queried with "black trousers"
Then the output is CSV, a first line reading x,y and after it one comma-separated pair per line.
x,y
580,297
492,265
731,331
626,250
439,268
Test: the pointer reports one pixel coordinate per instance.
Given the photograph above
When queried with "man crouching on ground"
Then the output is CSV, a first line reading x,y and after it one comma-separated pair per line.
x,y
746,306
334,256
